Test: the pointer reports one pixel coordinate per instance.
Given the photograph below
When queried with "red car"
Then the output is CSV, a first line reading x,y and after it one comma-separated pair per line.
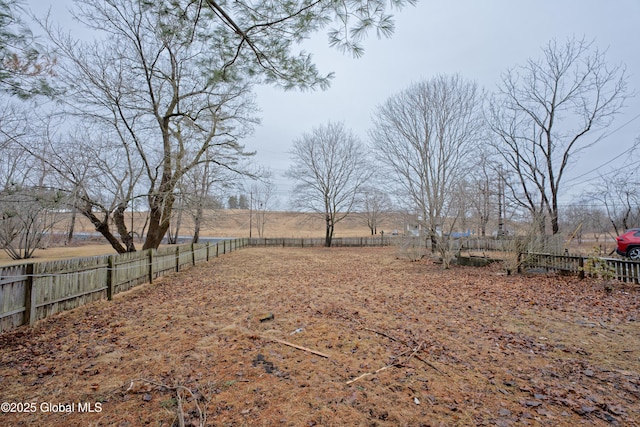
x,y
629,244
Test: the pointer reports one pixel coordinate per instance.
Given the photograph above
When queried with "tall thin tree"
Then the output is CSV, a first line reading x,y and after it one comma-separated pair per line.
x,y
546,113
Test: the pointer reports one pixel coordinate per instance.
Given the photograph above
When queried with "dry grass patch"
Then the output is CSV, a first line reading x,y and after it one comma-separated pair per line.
x,y
408,345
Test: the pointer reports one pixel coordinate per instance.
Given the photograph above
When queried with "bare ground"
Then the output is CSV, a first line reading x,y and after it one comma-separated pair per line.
x,y
408,344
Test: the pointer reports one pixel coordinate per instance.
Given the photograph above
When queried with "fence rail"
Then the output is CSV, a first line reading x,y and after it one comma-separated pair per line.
x,y
623,270
30,292
316,242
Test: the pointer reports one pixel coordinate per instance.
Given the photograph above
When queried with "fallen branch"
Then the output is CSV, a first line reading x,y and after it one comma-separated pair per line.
x,y
369,374
385,335
426,362
179,389
415,350
299,347
180,409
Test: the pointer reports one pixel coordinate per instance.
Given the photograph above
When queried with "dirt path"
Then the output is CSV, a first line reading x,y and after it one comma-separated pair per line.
x,y
461,347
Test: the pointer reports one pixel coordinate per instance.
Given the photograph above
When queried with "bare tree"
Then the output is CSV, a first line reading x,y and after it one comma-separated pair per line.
x,y
101,178
27,215
28,206
375,205
620,197
149,85
262,199
483,190
198,189
330,168
544,116
174,78
583,217
427,136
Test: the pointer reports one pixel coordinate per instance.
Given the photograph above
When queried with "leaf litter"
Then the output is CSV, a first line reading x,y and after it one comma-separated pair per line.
x,y
384,342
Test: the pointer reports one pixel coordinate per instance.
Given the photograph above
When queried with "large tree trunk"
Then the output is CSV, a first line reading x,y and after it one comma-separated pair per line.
x,y
541,222
160,209
72,226
434,240
102,227
329,232
125,235
158,226
173,237
197,221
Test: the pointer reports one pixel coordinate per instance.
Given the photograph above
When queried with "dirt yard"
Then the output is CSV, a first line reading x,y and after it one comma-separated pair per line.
x,y
381,342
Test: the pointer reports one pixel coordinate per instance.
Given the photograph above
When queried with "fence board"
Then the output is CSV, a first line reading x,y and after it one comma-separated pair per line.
x,y
12,296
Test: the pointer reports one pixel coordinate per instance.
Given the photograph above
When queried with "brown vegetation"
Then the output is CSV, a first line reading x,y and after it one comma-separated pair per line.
x,y
235,223
407,344
222,223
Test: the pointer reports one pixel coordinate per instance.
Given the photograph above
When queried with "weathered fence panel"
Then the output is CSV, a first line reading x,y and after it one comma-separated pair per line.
x,y
623,270
164,261
13,284
30,292
185,256
130,269
66,284
200,253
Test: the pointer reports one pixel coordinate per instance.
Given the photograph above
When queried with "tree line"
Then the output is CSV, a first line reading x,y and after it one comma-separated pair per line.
x,y
149,115
447,150
152,108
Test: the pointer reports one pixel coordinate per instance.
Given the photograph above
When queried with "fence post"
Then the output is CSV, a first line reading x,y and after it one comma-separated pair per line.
x,y
208,246
177,259
581,268
110,276
150,265
29,298
217,249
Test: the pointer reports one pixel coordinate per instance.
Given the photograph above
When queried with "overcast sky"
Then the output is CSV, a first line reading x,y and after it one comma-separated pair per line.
x,y
478,39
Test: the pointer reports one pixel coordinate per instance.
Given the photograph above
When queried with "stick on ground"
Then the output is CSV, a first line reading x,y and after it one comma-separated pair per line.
x,y
299,347
366,374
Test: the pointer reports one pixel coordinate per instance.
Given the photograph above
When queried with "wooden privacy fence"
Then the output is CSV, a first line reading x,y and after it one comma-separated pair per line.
x,y
30,292
623,270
